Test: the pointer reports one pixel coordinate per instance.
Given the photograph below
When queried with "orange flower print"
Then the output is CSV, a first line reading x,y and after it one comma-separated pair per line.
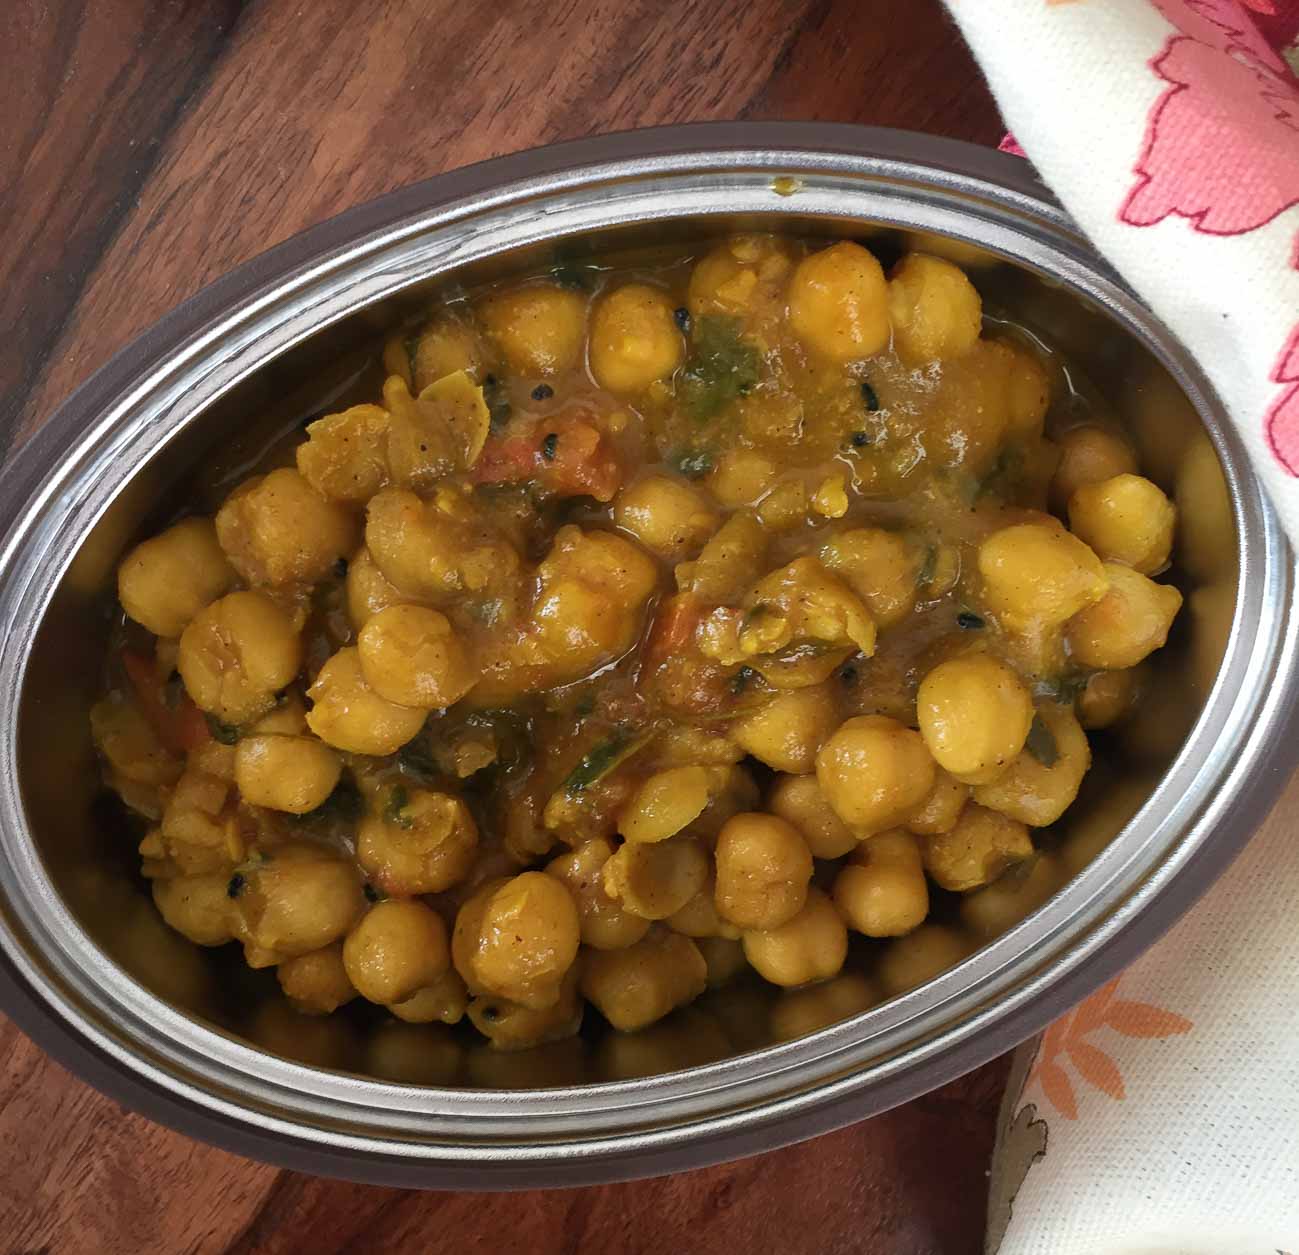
x,y
1065,1041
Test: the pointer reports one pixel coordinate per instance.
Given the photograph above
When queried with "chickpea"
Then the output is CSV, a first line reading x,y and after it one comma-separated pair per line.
x,y
920,956
349,715
839,303
277,529
941,808
286,773
433,550
763,870
728,564
345,455
990,911
799,800
288,717
432,435
974,716
128,740
316,983
880,567
874,772
166,580
426,844
935,310
1131,621
634,338
236,654
1037,792
881,891
199,832
299,900
804,1011
399,946
603,924
740,277
786,731
723,957
145,800
666,515
1107,697
1125,519
593,590
740,477
445,1000
685,745
1037,574
517,938
411,655
810,947
655,881
444,347
367,590
197,907
699,917
635,986
509,1026
977,850
539,327
1028,395
797,604
666,803
787,506
967,256
734,791
1088,455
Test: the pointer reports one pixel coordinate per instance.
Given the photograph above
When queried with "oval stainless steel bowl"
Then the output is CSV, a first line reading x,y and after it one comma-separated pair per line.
x,y
1188,783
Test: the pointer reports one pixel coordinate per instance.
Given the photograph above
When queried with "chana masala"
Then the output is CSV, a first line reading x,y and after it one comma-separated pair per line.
x,y
650,625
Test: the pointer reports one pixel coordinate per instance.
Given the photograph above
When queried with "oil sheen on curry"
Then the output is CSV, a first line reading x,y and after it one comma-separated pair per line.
x,y
648,629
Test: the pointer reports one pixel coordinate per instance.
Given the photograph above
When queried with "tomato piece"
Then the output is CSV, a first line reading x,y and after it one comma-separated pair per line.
x,y
180,730
567,455
190,726
672,630
506,460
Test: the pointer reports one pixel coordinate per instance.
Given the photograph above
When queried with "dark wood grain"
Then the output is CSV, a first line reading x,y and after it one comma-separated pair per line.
x,y
394,92
150,145
89,92
92,1178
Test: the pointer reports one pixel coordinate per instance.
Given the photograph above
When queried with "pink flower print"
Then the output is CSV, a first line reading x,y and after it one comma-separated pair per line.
x,y
1221,145
1222,24
1277,20
1281,424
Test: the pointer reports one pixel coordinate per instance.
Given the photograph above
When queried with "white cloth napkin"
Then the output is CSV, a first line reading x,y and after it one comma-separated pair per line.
x,y
1170,131
1162,1114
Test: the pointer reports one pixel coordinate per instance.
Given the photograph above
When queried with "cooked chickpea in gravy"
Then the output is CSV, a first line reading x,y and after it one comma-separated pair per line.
x,y
645,629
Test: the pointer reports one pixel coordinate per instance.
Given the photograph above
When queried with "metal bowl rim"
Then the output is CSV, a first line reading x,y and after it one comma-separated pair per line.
x,y
713,144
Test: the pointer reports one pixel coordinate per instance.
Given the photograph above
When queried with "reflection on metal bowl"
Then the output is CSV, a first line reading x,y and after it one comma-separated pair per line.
x,y
90,970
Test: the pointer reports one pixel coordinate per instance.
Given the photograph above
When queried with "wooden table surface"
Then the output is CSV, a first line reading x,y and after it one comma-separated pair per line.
x,y
147,146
